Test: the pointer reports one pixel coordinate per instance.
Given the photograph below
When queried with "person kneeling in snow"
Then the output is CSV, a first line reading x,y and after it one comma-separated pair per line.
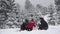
x,y
30,25
43,25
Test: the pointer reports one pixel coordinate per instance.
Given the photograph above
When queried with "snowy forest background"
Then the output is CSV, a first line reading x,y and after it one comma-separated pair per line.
x,y
16,15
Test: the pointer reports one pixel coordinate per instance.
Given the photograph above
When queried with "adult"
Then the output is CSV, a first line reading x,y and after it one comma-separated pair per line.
x,y
43,25
30,25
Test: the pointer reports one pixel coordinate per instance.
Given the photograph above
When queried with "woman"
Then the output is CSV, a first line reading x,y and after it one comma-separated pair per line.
x,y
43,25
30,25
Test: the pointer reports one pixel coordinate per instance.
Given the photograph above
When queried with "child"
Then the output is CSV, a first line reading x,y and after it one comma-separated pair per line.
x,y
23,26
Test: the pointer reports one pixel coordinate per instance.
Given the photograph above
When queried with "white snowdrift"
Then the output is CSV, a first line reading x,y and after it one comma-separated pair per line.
x,y
51,30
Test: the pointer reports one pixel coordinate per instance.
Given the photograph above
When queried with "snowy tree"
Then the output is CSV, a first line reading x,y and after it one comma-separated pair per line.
x,y
41,9
28,4
3,13
38,7
57,3
18,15
51,12
29,7
7,9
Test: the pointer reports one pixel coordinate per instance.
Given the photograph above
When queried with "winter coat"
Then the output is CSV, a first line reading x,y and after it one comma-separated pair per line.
x,y
23,26
43,25
31,24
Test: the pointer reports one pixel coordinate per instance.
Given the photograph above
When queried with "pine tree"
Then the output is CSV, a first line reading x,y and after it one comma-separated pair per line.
x,y
38,8
51,12
57,3
12,5
27,4
41,9
3,13
6,6
29,7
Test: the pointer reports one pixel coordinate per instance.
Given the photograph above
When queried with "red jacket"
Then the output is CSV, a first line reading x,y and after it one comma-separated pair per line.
x,y
30,24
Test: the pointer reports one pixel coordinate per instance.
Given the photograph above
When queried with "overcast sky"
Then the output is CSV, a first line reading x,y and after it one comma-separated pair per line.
x,y
34,2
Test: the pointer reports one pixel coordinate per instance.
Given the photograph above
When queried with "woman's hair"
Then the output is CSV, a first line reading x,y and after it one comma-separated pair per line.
x,y
41,18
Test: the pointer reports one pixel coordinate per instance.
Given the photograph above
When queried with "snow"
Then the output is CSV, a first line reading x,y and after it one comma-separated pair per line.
x,y
51,30
46,17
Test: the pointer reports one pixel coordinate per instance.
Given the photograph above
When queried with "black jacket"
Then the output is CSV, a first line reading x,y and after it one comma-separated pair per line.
x,y
23,26
43,25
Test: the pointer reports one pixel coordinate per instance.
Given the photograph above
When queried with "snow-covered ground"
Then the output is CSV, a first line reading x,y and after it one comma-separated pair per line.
x,y
51,30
